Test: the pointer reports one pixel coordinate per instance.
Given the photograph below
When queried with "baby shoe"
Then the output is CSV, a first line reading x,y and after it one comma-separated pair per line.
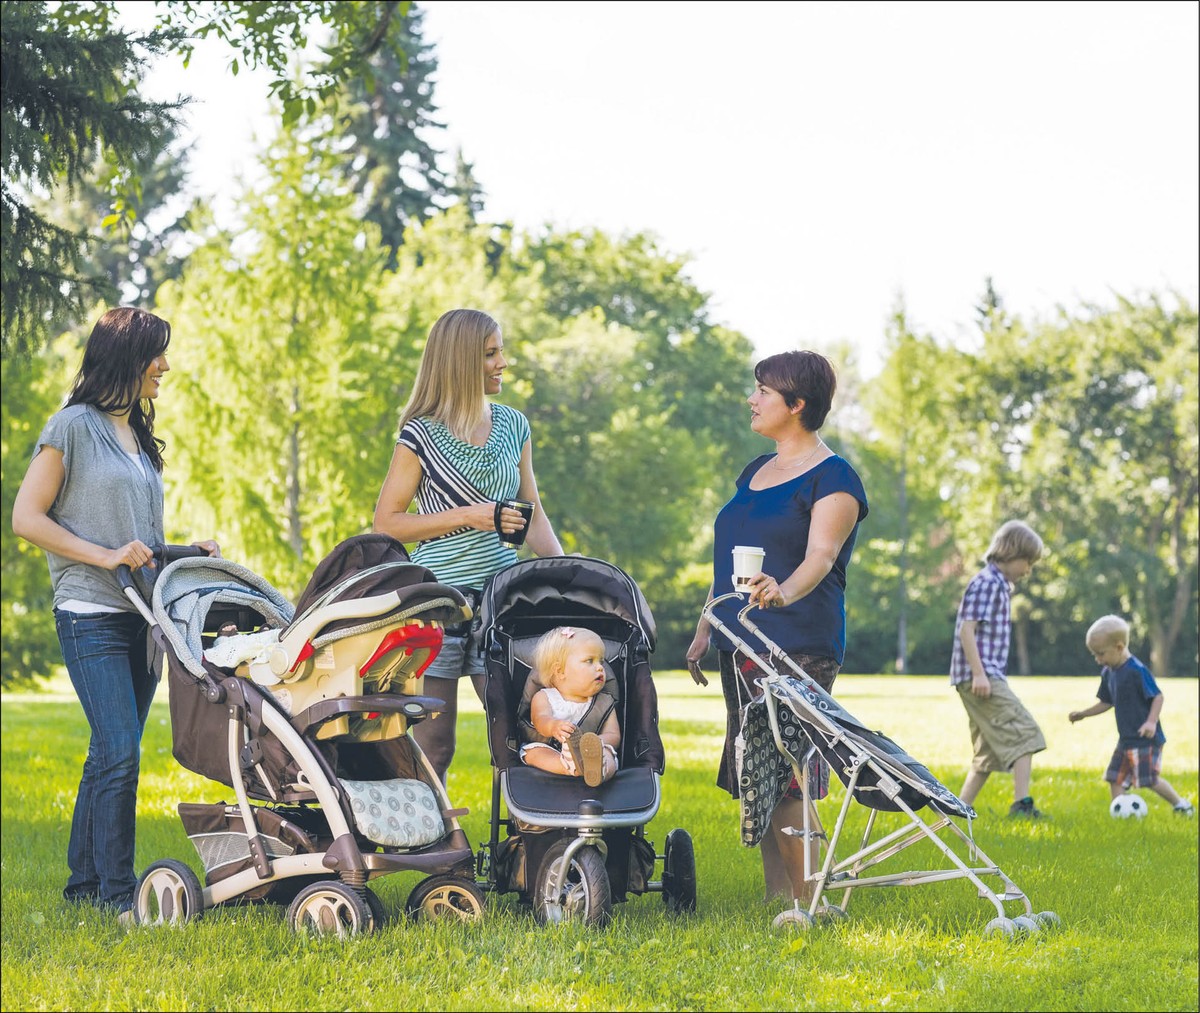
x,y
587,750
1184,808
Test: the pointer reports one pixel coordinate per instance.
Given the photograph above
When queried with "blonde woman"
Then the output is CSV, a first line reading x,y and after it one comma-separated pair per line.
x,y
457,455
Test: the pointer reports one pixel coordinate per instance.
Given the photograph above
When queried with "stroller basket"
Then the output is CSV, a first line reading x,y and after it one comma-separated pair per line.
x,y
219,835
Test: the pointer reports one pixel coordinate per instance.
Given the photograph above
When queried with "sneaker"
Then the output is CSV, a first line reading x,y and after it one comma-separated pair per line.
x,y
1184,808
1024,808
126,920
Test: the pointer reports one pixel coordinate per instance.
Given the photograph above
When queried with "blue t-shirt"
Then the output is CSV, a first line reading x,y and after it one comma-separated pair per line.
x,y
1130,688
778,520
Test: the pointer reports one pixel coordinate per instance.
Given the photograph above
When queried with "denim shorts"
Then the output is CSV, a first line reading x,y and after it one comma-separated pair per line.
x,y
459,656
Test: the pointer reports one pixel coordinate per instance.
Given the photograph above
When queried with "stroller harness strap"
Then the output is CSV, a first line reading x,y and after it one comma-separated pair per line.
x,y
602,705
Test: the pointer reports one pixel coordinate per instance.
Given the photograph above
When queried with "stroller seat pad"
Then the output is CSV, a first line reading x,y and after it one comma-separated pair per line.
x,y
533,790
397,813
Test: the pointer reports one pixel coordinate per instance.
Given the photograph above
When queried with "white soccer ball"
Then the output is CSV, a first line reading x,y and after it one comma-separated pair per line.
x,y
1124,806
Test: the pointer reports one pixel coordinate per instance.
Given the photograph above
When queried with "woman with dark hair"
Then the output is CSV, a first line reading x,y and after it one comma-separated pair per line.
x,y
802,505
458,455
93,500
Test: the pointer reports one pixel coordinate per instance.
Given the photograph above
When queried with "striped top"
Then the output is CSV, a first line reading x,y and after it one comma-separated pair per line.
x,y
454,473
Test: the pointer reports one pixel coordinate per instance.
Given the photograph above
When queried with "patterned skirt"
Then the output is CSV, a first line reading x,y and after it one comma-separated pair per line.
x,y
764,775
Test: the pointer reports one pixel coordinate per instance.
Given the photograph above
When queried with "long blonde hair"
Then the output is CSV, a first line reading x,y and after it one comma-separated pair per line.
x,y
450,386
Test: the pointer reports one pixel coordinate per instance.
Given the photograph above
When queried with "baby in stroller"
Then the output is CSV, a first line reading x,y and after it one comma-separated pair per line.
x,y
568,846
572,709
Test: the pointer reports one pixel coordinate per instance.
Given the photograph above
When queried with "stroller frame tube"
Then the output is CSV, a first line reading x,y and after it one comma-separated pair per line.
x,y
868,854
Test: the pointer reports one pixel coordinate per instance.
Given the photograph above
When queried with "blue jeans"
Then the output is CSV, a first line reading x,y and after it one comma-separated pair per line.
x,y
105,655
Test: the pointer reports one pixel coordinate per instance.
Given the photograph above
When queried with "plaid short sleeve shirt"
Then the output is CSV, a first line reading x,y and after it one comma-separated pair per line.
x,y
987,602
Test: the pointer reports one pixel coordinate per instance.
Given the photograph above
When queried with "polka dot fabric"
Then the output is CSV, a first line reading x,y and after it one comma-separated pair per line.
x,y
398,813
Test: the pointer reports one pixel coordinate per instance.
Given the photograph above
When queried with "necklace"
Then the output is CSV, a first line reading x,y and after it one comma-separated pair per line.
x,y
799,464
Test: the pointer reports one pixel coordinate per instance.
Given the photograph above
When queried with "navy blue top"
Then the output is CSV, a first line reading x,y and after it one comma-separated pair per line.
x,y
778,519
1130,688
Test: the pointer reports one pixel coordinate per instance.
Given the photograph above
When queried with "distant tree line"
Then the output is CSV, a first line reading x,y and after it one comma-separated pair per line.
x,y
297,332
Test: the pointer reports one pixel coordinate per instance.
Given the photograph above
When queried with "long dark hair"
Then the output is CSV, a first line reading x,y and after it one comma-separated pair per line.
x,y
119,351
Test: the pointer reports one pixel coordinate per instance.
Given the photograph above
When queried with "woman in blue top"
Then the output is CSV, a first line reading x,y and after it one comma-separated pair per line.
x,y
93,499
802,505
457,455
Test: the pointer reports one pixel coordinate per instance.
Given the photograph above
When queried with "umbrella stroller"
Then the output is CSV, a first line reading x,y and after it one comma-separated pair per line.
x,y
801,721
305,714
570,850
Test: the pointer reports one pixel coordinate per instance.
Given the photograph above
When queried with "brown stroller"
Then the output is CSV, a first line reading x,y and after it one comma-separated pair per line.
x,y
305,715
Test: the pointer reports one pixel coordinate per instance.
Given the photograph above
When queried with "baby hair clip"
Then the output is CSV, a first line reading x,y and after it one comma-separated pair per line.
x,y
567,632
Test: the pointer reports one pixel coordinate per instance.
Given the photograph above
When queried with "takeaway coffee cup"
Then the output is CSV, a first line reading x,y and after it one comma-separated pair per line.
x,y
516,538
747,564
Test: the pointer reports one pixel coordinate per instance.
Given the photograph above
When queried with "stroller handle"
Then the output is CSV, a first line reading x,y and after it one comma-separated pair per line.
x,y
162,554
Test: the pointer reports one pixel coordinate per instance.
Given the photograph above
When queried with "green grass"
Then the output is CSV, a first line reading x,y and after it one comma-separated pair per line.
x,y
1126,891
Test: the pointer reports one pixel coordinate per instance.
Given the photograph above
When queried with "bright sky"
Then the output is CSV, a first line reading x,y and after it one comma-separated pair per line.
x,y
817,159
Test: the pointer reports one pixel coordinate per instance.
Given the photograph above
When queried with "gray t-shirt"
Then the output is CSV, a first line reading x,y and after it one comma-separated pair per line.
x,y
106,499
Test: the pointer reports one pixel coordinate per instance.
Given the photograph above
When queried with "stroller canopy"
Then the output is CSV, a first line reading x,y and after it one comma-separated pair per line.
x,y
188,588
591,582
841,739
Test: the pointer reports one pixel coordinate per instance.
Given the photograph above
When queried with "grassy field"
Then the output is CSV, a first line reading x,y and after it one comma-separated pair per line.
x,y
1126,891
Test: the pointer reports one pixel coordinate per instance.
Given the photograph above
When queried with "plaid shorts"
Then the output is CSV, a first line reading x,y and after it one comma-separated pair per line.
x,y
1135,768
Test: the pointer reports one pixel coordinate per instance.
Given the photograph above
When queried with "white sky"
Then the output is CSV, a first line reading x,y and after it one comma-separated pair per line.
x,y
816,159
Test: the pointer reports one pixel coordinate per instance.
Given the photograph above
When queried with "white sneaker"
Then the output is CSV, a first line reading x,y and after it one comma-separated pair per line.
x,y
1184,808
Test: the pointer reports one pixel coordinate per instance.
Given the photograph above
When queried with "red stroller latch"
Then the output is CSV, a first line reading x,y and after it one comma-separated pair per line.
x,y
410,638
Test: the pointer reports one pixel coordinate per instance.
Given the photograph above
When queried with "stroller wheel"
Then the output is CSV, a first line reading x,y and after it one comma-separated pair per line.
x,y
793,918
168,893
330,908
375,906
679,873
1029,926
1000,927
583,894
446,898
831,913
1047,920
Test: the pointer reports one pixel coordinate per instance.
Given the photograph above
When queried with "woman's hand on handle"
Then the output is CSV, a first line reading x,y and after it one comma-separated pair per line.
x,y
135,555
209,546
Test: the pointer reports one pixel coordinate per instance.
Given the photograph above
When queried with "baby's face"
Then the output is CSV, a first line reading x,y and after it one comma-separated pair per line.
x,y
1107,652
583,676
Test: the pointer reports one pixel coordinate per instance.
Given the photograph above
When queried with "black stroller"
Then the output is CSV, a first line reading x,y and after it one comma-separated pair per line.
x,y
797,720
570,850
305,715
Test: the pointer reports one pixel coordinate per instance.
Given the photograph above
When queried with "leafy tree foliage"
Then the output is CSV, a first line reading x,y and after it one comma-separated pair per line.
x,y
69,90
279,423
70,81
383,118
33,390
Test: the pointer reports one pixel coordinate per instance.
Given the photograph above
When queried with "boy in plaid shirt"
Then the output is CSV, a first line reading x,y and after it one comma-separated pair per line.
x,y
1003,733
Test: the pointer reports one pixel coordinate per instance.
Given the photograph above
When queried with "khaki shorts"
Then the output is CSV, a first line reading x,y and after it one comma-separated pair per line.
x,y
1002,730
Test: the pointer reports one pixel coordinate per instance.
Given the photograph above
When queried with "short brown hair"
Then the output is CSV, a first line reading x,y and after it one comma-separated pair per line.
x,y
806,376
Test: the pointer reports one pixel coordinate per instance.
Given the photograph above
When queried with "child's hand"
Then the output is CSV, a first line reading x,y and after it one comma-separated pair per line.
x,y
563,730
1148,729
1075,716
981,686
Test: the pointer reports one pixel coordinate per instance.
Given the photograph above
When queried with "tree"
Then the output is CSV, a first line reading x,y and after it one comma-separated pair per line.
x,y
69,90
383,117
33,391
280,424
137,254
70,86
